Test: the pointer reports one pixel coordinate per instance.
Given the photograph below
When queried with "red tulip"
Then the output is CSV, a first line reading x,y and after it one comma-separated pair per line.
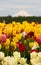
x,y
34,38
21,47
39,39
26,36
33,51
11,48
31,33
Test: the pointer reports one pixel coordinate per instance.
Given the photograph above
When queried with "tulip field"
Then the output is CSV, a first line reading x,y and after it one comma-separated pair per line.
x,y
20,43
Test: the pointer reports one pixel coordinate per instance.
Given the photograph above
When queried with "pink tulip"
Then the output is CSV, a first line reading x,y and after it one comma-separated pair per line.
x,y
3,38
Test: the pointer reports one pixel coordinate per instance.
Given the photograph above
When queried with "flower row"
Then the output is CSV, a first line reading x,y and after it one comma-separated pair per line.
x,y
16,59
23,37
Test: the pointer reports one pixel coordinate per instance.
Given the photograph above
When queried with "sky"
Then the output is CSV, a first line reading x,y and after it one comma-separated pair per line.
x,y
11,7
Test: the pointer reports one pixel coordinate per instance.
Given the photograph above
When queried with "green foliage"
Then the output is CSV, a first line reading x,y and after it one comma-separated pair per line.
x,y
9,19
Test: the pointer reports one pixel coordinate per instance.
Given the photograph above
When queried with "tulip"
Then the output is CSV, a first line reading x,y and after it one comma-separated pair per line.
x,y
39,39
3,38
33,51
31,33
26,36
21,47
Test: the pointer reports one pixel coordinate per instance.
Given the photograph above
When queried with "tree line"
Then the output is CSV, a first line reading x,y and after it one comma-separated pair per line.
x,y
9,19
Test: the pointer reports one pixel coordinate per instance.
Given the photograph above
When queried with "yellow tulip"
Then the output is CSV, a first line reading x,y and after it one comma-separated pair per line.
x,y
31,44
24,41
19,36
15,39
7,47
0,46
7,43
13,44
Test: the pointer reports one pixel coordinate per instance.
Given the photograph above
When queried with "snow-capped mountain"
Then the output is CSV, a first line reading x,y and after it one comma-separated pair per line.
x,y
21,13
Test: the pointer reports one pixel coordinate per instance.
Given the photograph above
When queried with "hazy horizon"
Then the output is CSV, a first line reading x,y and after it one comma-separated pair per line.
x,y
11,7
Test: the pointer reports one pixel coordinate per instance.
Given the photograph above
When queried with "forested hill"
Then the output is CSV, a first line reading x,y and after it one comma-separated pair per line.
x,y
9,19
